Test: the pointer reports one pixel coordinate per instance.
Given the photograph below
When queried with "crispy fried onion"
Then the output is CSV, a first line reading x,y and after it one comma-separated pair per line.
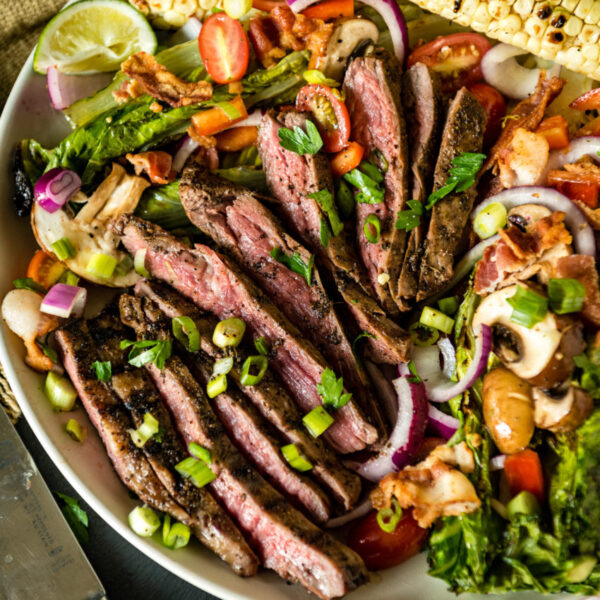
x,y
163,85
433,488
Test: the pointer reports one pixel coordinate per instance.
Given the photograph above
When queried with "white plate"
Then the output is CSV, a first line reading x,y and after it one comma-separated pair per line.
x,y
28,113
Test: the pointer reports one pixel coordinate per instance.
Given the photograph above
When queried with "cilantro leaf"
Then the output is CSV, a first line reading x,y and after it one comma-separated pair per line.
x,y
411,217
370,190
27,283
294,263
462,175
300,141
103,370
145,351
75,516
330,389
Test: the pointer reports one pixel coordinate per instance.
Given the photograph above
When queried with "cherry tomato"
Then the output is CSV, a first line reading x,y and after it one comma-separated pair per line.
x,y
524,473
224,48
330,9
330,113
456,57
495,107
381,550
588,101
45,269
347,159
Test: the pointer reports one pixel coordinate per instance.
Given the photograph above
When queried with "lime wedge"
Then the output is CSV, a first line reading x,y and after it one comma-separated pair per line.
x,y
92,36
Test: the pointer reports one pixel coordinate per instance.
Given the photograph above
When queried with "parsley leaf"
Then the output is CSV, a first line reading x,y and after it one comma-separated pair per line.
x,y
325,201
103,370
411,217
27,283
300,141
330,389
370,189
145,351
294,263
75,516
461,177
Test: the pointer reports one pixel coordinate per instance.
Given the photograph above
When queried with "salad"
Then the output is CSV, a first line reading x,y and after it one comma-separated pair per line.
x,y
350,251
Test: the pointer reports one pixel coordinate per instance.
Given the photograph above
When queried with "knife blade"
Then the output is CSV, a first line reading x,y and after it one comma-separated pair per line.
x,y
39,555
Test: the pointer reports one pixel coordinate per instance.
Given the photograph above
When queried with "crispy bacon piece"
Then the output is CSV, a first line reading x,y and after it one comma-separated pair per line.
x,y
519,255
155,164
523,160
583,268
433,487
163,85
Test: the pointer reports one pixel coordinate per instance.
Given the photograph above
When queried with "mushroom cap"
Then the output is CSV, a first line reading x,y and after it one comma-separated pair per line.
x,y
562,413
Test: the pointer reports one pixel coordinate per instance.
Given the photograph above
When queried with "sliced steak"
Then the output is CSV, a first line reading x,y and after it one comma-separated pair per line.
x,y
248,231
463,132
284,539
245,425
211,524
269,396
373,88
424,109
216,284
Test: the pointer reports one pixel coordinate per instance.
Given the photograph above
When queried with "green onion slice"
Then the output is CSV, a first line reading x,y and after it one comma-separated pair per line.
x,y
490,220
216,385
139,262
149,428
372,228
257,361
63,249
60,392
198,472
222,366
262,346
124,266
69,278
388,518
448,306
529,307
101,266
423,335
175,536
200,452
229,333
437,320
566,295
74,429
295,458
317,421
186,332
144,521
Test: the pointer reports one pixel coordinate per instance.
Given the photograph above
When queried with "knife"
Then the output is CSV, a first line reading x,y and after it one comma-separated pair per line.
x,y
39,555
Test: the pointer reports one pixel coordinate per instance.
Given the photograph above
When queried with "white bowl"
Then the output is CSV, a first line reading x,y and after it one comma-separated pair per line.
x,y
28,113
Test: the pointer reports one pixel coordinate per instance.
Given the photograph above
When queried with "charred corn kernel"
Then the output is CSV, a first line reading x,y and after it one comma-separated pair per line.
x,y
565,31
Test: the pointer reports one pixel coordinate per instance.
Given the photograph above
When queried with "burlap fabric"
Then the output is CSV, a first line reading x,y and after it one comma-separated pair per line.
x,y
21,22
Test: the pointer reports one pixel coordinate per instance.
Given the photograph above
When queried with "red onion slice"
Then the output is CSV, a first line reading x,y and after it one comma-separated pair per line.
x,y
65,89
583,236
364,508
185,149
55,188
497,463
390,12
441,423
438,387
578,148
64,301
449,354
407,435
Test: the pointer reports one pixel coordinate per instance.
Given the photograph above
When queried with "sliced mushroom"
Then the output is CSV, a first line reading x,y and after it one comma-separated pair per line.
x,y
561,411
542,355
119,193
344,39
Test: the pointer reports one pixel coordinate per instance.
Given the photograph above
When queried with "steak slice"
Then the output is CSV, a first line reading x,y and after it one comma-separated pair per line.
x,y
424,109
463,132
113,422
243,422
217,285
269,396
285,540
248,231
373,88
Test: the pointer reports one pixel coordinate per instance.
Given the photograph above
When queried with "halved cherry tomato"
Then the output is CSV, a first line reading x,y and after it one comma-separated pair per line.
x,y
347,159
588,101
267,5
556,131
237,138
214,120
330,9
224,48
583,192
524,473
381,550
45,269
330,113
456,57
495,106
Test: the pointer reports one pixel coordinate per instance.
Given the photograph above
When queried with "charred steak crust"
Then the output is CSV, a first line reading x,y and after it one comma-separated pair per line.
x,y
463,132
373,88
424,109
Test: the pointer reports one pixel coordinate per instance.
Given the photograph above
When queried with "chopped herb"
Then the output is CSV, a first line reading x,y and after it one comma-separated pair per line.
x,y
331,390
344,198
262,346
369,189
413,369
300,141
411,217
372,228
76,517
529,307
325,233
461,177
325,201
158,436
294,263
145,351
103,370
361,336
26,283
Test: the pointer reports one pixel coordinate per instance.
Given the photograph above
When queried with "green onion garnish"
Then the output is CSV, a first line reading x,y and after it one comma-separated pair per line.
x,y
372,228
216,385
262,346
448,305
422,335
144,521
436,319
566,295
186,332
490,220
103,370
222,366
149,428
63,249
124,266
74,429
370,190
69,278
529,307
175,536
139,262
229,333
101,266
317,421
295,458
294,262
198,472
259,362
200,452
388,518
145,351
60,392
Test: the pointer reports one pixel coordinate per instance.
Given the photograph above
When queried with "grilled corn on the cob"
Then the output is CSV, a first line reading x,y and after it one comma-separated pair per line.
x,y
566,31
172,14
